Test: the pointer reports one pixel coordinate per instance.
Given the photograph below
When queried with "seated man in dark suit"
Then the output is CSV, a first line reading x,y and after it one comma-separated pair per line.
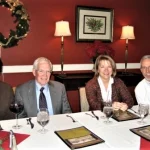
x,y
6,97
33,92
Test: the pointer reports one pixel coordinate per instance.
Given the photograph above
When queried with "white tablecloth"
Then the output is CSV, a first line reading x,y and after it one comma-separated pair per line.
x,y
117,135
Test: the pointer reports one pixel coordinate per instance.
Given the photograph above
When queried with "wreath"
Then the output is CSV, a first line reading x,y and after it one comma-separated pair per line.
x,y
22,23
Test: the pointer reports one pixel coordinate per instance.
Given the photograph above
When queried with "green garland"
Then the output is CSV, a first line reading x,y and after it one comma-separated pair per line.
x,y
22,19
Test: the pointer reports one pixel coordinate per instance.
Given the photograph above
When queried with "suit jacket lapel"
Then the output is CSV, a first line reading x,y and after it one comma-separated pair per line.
x,y
53,96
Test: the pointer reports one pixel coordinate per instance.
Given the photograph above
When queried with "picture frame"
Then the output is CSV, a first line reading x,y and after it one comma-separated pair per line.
x,y
120,115
102,18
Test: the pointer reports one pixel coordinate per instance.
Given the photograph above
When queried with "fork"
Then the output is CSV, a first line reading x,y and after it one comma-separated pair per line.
x,y
71,118
32,125
134,111
94,115
90,115
27,121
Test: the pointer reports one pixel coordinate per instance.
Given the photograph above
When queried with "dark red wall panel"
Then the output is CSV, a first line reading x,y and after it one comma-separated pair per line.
x,y
41,41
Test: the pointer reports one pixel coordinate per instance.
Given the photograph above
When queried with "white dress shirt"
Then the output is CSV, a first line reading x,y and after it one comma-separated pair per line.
x,y
142,92
46,92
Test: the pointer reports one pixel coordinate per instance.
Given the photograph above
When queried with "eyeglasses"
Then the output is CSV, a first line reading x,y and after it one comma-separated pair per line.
x,y
43,72
145,68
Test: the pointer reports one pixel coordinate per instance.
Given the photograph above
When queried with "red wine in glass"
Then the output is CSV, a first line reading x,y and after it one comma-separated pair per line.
x,y
16,107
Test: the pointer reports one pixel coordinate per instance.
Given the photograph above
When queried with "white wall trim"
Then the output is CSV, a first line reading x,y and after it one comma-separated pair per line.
x,y
67,67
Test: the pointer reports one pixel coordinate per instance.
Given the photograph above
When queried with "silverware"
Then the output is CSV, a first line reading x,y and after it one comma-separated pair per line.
x,y
71,118
90,115
27,121
31,124
134,111
94,115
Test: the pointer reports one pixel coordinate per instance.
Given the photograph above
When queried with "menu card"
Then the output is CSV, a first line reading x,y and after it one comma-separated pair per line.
x,y
124,115
142,131
78,137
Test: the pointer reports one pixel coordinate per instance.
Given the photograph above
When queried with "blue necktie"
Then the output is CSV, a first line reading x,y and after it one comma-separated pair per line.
x,y
42,99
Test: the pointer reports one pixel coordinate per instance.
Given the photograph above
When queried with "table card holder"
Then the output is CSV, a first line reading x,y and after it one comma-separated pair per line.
x,y
143,132
78,137
124,115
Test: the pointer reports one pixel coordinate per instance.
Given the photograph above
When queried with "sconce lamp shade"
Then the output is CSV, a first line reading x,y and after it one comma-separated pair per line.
x,y
62,28
127,32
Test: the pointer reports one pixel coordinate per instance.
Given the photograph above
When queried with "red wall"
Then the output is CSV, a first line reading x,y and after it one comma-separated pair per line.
x,y
41,41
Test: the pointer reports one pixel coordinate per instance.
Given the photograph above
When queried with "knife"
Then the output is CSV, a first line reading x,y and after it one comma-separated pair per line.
x,y
95,115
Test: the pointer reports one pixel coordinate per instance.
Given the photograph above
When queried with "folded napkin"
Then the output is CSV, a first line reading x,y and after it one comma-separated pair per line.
x,y
19,138
145,144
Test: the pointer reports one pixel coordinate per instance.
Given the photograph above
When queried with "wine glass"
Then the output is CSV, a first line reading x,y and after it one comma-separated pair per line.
x,y
108,111
43,119
16,107
105,103
143,110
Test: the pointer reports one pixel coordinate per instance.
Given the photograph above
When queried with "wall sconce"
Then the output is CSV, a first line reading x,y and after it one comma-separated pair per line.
x,y
62,29
127,34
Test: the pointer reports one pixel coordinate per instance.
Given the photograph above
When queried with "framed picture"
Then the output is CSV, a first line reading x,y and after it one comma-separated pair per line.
x,y
94,23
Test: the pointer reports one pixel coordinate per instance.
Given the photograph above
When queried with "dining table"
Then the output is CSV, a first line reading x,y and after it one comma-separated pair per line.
x,y
117,134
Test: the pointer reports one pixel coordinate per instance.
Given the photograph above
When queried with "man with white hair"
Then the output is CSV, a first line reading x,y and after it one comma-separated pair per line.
x,y
42,92
142,90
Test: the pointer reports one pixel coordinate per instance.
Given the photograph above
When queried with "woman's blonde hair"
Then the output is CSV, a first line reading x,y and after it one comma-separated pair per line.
x,y
107,58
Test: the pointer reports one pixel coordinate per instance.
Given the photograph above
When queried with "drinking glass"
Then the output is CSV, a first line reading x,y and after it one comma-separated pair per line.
x,y
143,110
107,103
16,107
43,119
108,111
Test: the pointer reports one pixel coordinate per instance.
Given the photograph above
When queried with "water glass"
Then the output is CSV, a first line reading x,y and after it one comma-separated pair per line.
x,y
43,119
108,103
143,111
108,111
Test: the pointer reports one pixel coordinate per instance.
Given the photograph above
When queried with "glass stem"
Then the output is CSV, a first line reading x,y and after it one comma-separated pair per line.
x,y
142,119
16,120
43,129
107,120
